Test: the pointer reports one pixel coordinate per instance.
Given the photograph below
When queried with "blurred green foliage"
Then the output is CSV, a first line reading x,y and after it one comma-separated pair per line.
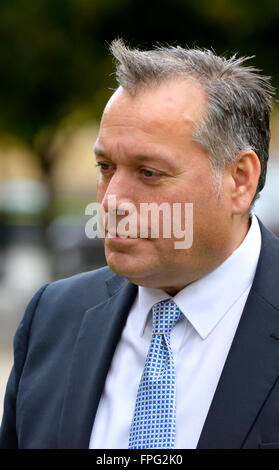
x,y
54,53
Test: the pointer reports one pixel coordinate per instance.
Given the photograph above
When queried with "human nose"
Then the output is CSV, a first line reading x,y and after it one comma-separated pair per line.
x,y
118,191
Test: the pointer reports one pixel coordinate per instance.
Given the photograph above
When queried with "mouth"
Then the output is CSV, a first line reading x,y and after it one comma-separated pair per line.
x,y
119,236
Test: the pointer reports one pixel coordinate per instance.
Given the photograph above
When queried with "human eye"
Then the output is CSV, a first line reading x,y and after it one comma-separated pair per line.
x,y
104,167
149,173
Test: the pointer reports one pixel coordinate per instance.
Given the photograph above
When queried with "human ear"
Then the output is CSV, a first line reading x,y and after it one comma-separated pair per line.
x,y
246,171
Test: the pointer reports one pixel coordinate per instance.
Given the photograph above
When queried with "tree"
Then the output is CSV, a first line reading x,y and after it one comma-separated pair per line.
x,y
54,55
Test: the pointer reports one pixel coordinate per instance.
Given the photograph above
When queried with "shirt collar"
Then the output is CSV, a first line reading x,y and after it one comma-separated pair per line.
x,y
206,301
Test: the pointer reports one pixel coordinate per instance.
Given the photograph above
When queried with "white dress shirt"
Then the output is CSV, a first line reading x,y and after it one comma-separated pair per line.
x,y
212,307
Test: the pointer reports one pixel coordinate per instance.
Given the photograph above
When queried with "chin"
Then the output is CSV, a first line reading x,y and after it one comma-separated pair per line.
x,y
128,266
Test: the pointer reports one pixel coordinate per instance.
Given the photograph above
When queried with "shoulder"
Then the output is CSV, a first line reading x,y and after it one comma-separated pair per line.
x,y
268,237
269,255
266,279
89,286
65,301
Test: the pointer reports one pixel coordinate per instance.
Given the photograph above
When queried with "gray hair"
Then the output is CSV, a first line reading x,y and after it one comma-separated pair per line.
x,y
239,97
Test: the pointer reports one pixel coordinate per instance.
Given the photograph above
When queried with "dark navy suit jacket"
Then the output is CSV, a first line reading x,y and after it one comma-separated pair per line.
x,y
65,343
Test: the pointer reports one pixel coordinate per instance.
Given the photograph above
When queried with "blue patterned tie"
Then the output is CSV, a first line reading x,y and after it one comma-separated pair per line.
x,y
153,425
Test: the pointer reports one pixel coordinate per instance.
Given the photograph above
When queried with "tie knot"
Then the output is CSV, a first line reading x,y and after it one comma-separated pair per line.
x,y
165,316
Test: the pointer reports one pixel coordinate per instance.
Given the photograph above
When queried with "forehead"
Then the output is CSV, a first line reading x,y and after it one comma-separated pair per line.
x,y
176,103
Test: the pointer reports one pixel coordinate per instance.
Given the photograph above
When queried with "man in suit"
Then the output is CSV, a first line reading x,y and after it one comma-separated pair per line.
x,y
183,126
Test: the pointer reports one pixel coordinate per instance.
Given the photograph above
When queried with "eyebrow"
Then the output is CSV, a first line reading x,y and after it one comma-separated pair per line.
x,y
168,159
98,151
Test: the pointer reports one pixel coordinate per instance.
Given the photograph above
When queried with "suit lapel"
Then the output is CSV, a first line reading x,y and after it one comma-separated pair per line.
x,y
94,348
252,366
